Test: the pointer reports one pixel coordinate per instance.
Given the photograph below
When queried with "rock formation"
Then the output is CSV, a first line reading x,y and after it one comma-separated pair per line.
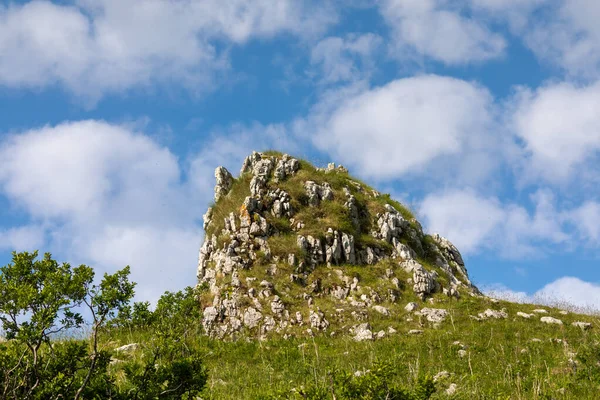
x,y
307,251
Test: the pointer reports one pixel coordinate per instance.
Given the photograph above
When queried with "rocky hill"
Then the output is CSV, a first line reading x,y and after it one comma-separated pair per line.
x,y
295,250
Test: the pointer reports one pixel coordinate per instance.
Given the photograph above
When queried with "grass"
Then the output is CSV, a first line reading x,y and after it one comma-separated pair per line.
x,y
502,361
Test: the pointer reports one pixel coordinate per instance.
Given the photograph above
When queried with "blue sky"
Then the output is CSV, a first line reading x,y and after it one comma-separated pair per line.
x,y
481,115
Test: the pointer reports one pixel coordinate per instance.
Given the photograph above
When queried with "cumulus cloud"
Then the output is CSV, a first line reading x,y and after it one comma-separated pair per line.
x,y
474,222
438,29
105,196
586,219
568,35
104,46
343,59
21,238
565,292
407,126
109,195
559,125
515,12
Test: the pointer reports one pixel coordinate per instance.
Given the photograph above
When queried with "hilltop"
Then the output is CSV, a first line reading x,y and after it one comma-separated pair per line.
x,y
291,249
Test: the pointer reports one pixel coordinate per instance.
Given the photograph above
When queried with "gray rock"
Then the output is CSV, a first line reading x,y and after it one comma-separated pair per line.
x,y
285,166
277,306
317,320
348,248
524,315
316,193
127,347
402,250
381,310
363,332
551,320
540,311
583,325
415,332
352,206
493,314
434,314
207,217
224,182
390,225
258,186
424,281
412,306
252,317
451,390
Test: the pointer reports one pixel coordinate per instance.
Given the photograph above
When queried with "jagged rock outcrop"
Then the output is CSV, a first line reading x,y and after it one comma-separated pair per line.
x,y
224,182
280,262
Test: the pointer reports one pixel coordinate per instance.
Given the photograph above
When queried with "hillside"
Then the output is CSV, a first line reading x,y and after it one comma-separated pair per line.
x,y
311,285
334,275
291,249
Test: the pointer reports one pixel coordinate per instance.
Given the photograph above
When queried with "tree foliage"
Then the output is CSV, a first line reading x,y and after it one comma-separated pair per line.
x,y
42,304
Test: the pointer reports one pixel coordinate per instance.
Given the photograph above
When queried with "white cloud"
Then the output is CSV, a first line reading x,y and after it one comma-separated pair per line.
x,y
437,29
103,46
106,196
465,218
345,59
567,292
586,219
475,223
407,126
109,195
516,12
571,290
559,125
22,238
568,35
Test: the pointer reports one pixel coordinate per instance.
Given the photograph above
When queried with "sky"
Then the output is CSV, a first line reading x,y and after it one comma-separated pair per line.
x,y
482,116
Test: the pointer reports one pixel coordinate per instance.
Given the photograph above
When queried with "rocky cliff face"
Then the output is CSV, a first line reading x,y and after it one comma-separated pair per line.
x,y
291,249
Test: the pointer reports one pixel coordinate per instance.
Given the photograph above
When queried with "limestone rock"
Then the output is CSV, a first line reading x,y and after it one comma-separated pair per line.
x,y
317,320
402,250
415,332
381,310
410,307
363,332
583,325
207,217
128,347
224,182
390,225
493,314
352,206
252,317
316,193
551,320
451,390
524,315
434,314
540,311
286,166
424,281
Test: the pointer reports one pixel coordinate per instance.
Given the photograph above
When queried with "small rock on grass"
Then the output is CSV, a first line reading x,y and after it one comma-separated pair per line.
x,y
551,320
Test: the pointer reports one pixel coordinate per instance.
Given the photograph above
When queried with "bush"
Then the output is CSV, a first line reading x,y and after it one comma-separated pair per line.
x,y
40,299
